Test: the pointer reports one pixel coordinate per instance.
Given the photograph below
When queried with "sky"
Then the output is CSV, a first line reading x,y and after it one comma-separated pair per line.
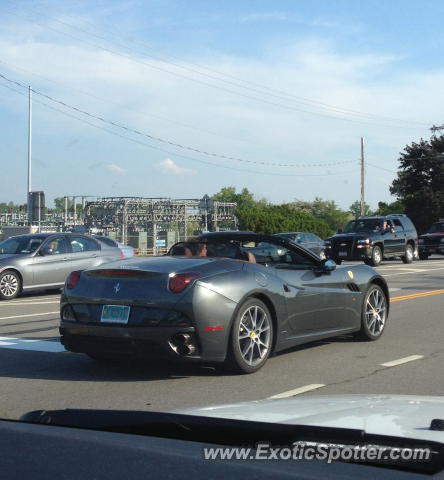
x,y
177,99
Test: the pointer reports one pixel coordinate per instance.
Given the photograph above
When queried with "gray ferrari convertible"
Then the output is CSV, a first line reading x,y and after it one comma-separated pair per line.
x,y
212,300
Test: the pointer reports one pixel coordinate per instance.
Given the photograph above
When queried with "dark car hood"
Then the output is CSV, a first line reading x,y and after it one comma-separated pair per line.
x,y
347,236
436,234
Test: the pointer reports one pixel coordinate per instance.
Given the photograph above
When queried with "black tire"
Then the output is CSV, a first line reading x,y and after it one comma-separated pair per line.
x,y
256,329
409,254
373,326
10,285
376,257
423,256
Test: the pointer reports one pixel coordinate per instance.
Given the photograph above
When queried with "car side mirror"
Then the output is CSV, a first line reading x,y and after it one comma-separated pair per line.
x,y
327,266
46,251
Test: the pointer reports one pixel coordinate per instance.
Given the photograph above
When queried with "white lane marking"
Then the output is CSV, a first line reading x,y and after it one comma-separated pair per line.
x,y
394,289
10,304
412,273
297,391
33,298
34,345
29,315
400,361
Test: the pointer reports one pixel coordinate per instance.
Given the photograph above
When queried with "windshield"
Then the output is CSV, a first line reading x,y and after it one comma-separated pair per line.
x,y
436,228
235,197
21,245
363,226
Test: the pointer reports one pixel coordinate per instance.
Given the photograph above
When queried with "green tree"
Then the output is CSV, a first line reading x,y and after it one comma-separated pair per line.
x,y
355,209
326,210
420,182
268,219
244,199
388,208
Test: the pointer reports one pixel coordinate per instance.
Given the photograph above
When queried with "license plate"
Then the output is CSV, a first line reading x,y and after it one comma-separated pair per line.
x,y
342,254
115,314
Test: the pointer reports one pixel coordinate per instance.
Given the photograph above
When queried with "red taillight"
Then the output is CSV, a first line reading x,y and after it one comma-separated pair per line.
x,y
73,279
180,281
121,254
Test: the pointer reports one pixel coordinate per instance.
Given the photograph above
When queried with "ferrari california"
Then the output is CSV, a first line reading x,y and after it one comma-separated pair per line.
x,y
212,300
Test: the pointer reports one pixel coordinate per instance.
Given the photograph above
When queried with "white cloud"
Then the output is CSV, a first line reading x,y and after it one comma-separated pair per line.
x,y
115,168
142,95
168,165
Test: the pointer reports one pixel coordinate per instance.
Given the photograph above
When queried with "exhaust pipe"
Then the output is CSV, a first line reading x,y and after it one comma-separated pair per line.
x,y
183,344
185,350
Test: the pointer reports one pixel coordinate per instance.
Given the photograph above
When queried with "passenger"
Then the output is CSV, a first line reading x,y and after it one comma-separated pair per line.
x,y
250,257
181,250
202,250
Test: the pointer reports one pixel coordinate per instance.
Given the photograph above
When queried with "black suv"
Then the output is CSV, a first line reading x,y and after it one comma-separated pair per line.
x,y
432,241
373,238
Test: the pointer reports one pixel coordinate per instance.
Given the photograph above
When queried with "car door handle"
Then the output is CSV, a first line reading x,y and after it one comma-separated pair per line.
x,y
94,255
65,258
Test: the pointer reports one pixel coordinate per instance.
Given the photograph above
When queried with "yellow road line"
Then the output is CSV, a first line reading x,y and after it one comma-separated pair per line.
x,y
429,293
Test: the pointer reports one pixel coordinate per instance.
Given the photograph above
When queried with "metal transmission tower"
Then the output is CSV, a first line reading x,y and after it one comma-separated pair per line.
x,y
125,215
436,128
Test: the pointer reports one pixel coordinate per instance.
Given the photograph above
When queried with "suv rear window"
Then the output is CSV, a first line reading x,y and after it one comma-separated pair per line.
x,y
407,223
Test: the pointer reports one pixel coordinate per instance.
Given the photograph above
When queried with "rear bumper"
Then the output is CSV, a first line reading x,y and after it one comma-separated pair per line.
x,y
209,317
129,342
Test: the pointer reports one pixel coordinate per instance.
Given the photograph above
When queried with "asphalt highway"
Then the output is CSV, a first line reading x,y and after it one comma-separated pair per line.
x,y
36,373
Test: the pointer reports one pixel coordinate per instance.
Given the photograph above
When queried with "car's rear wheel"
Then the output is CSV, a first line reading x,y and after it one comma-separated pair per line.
x,y
251,337
374,314
423,256
376,257
409,254
10,285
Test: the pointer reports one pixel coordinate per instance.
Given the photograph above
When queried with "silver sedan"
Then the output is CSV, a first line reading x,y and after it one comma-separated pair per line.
x,y
43,261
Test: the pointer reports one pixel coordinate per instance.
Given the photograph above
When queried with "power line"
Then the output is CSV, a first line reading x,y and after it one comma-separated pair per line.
x,y
120,105
186,157
156,67
169,142
263,89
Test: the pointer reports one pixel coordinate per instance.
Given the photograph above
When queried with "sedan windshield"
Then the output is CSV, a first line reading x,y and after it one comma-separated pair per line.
x,y
363,226
20,245
436,227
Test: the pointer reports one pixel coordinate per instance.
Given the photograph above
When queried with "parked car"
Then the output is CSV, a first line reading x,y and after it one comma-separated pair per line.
x,y
307,240
374,238
127,250
43,261
222,307
432,242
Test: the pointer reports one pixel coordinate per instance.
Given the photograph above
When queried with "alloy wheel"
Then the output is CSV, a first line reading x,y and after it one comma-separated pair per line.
x,y
376,312
8,285
254,335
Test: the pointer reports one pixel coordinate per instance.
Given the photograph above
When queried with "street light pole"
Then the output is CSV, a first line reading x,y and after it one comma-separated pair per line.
x,y
362,179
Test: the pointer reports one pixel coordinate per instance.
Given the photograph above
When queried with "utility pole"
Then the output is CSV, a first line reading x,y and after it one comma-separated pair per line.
x,y
362,178
66,210
28,203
